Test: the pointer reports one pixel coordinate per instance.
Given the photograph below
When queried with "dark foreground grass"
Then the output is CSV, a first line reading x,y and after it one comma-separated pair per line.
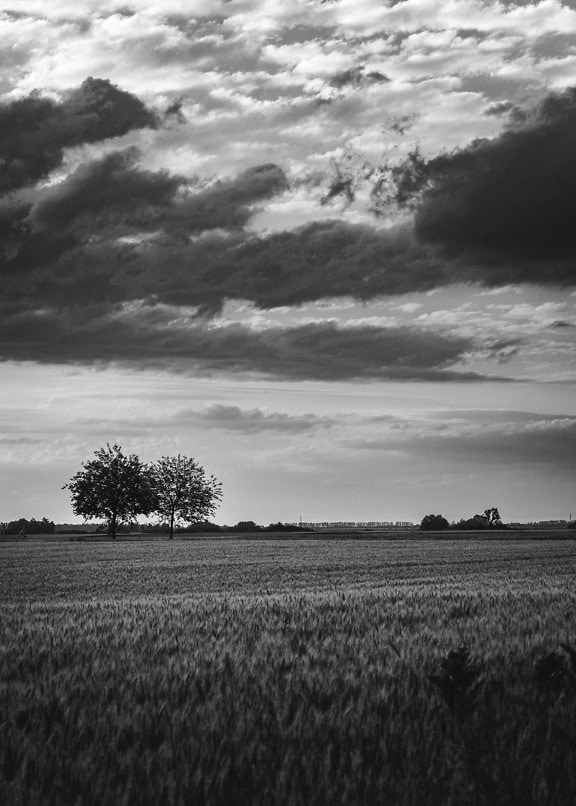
x,y
288,672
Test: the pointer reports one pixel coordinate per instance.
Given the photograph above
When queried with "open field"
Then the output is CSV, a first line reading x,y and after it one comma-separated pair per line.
x,y
288,671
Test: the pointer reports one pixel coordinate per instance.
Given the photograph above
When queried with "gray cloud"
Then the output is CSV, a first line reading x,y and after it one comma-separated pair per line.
x,y
34,131
71,237
505,206
493,438
70,243
251,421
357,77
497,212
501,108
218,417
153,336
113,234
143,201
111,186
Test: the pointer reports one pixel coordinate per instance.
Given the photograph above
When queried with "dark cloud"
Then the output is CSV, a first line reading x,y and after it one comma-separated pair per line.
x,y
357,77
111,186
508,203
34,131
329,258
73,235
174,110
149,336
228,204
113,234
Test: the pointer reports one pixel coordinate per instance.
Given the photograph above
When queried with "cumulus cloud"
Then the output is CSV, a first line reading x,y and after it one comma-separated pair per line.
x,y
112,185
147,200
34,131
91,229
78,253
504,207
118,232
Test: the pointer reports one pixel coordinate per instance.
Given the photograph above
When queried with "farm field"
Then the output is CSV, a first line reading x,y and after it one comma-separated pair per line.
x,y
288,671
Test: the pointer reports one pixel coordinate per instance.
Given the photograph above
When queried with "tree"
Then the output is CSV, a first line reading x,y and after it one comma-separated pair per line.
x,y
246,526
182,491
474,523
493,516
489,519
434,523
111,486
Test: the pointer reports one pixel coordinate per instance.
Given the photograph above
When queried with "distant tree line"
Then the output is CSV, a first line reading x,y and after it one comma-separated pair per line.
x,y
25,526
241,526
489,519
33,526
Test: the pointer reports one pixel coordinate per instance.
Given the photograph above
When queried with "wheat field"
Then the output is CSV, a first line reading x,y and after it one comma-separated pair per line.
x,y
288,671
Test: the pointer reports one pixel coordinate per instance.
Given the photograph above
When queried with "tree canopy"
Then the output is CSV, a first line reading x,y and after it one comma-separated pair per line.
x,y
112,486
434,523
118,488
182,491
489,519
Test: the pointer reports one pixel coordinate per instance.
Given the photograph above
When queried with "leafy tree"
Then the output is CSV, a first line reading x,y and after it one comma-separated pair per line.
x,y
111,486
182,491
489,519
493,516
474,523
434,523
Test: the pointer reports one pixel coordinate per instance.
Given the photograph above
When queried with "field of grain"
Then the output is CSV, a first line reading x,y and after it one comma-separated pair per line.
x,y
288,671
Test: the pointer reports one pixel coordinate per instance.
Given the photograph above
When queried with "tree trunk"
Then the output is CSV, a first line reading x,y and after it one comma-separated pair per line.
x,y
171,524
113,527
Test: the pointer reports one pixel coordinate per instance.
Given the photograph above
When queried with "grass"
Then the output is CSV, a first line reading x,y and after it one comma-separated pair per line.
x,y
288,671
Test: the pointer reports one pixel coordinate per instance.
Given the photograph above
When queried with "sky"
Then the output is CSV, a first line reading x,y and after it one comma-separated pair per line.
x,y
326,247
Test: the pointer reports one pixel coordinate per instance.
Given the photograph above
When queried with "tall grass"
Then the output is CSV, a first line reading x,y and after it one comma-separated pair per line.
x,y
287,672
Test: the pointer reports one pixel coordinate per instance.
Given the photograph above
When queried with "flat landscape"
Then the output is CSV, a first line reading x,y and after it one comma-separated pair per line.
x,y
388,669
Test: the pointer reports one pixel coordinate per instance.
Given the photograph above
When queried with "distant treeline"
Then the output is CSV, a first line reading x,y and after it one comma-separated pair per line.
x,y
32,526
489,519
241,526
435,523
28,527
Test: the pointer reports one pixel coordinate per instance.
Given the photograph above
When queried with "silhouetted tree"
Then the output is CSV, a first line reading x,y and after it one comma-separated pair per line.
x,y
111,486
23,526
476,522
434,523
493,517
246,526
183,493
489,519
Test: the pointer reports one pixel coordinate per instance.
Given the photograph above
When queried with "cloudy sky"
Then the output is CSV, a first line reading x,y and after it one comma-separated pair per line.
x,y
325,247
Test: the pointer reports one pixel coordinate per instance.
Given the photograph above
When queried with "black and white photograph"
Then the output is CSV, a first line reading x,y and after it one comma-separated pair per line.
x,y
287,402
